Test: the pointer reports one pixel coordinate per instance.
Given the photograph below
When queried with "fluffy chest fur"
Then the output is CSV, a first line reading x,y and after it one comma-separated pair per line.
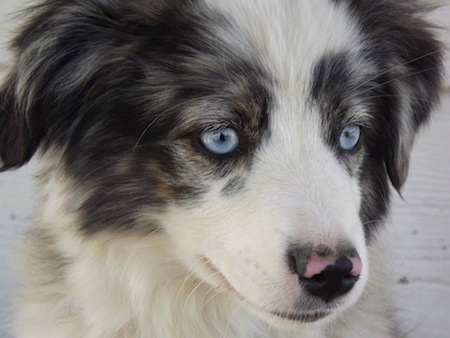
x,y
214,168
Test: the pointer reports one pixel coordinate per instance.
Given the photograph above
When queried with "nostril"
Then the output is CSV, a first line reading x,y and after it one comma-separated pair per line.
x,y
357,266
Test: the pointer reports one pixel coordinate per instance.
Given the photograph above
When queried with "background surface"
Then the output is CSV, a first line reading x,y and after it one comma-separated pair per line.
x,y
419,227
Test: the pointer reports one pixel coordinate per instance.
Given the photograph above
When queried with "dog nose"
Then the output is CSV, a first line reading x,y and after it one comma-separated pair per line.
x,y
326,277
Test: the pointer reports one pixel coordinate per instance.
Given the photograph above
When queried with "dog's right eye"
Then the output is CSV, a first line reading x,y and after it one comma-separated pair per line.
x,y
221,141
349,138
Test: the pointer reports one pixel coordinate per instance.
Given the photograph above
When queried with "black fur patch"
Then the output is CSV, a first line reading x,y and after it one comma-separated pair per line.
x,y
408,64
125,88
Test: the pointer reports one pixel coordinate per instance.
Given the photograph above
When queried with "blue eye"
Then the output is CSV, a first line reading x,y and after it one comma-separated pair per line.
x,y
220,142
350,136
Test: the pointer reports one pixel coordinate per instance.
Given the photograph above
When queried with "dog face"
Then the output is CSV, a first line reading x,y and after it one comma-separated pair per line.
x,y
259,136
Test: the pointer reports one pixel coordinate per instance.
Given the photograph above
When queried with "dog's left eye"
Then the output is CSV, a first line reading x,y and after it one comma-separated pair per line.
x,y
350,136
221,141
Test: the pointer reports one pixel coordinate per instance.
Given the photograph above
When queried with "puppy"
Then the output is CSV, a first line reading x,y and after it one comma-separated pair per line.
x,y
214,168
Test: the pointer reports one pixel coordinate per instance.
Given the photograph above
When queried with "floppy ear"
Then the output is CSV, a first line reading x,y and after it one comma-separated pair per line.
x,y
19,138
418,78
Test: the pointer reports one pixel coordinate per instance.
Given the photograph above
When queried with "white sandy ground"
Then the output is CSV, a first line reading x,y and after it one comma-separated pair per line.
x,y
419,227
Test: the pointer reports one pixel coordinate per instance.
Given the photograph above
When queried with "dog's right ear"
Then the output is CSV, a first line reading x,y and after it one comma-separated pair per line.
x,y
19,136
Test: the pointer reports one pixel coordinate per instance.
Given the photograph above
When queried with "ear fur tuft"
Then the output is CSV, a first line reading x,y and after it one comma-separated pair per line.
x,y
17,144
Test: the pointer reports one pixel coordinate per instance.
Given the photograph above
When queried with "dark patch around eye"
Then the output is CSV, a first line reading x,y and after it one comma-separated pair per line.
x,y
248,114
333,88
398,34
120,123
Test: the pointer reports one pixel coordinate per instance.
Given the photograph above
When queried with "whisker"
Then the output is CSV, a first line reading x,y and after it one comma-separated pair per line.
x,y
191,270
216,293
228,327
3,109
397,78
200,283
271,315
400,65
399,96
156,119
372,222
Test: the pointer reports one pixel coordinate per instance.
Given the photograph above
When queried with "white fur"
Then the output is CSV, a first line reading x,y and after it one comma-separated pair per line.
x,y
138,286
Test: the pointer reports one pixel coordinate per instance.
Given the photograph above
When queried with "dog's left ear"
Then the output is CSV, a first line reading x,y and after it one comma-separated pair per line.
x,y
19,137
418,78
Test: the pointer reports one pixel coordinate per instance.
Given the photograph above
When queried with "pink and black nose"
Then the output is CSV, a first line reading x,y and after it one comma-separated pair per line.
x,y
325,276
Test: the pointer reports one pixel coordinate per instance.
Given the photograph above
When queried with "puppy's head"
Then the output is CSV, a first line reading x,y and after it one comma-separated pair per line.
x,y
260,137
